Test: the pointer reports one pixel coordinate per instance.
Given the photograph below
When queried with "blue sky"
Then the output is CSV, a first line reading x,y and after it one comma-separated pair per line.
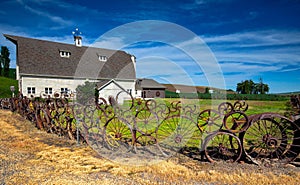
x,y
245,39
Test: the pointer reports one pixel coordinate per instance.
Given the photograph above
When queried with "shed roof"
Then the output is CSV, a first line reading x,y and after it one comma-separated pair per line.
x,y
148,83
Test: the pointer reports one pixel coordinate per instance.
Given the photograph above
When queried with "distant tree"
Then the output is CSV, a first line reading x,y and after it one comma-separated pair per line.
x,y
5,61
1,64
245,87
206,90
249,87
261,87
86,93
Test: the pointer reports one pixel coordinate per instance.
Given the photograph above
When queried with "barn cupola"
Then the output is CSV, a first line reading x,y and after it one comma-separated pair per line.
x,y
77,37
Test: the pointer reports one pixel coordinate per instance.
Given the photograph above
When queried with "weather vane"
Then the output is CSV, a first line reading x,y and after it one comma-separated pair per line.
x,y
76,32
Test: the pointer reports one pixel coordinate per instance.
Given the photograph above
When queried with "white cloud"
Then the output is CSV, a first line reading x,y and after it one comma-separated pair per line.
x,y
163,68
109,43
239,67
277,48
193,59
55,19
255,38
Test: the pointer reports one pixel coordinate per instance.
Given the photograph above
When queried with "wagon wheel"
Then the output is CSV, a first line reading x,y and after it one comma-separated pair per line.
x,y
42,119
235,122
222,146
91,125
89,113
225,108
145,125
77,111
240,105
209,120
271,138
294,150
117,133
175,132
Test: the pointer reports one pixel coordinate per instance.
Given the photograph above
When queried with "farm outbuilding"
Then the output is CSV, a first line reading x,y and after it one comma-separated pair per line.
x,y
149,88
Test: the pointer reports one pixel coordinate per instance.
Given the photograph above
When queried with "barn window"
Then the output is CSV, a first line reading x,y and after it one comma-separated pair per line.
x,y
102,58
30,90
48,90
64,90
65,54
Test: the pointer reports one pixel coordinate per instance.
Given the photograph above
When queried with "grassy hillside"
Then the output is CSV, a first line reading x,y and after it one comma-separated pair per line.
x,y
5,84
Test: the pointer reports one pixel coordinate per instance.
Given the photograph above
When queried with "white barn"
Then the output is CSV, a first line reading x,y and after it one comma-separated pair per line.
x,y
44,68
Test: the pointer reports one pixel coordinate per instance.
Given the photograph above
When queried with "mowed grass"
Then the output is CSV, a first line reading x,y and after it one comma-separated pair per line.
x,y
255,107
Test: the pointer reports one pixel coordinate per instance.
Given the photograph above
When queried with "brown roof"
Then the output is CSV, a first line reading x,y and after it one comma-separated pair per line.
x,y
148,83
40,57
192,89
181,88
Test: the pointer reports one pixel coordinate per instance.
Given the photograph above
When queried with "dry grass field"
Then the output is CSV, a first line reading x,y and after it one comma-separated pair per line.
x,y
31,156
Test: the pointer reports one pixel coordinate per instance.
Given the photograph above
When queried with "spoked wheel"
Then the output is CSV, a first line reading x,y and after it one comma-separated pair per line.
x,y
209,121
145,125
222,146
271,138
42,119
235,122
174,133
240,105
92,128
117,133
225,108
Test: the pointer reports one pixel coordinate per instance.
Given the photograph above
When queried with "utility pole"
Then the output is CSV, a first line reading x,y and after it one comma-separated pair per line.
x,y
261,85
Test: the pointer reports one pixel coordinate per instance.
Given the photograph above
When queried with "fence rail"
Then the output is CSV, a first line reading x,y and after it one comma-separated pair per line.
x,y
165,128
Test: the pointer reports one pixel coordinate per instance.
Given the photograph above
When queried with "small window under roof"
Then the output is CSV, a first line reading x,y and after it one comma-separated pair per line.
x,y
102,58
65,54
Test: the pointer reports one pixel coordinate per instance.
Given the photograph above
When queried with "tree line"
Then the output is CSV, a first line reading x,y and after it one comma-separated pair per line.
x,y
249,87
4,61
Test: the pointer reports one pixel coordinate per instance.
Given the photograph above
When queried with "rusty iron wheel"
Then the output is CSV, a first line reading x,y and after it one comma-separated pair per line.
x,y
222,146
225,108
117,132
271,138
235,122
174,133
209,121
240,105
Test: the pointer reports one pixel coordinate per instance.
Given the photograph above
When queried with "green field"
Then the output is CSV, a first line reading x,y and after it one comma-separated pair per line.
x,y
255,107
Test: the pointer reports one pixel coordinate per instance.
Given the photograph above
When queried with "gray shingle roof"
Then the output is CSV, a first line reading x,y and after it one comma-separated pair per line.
x,y
40,57
148,84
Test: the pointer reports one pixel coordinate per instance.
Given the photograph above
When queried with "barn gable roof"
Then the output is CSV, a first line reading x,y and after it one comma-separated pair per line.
x,y
43,58
104,84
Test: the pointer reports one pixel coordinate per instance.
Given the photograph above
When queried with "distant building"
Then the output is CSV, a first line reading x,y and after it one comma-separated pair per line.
x,y
45,68
148,88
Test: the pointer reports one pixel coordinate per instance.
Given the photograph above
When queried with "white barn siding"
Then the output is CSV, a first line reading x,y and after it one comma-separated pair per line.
x,y
40,83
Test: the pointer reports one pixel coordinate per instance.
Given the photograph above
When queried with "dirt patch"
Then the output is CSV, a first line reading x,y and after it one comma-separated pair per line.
x,y
31,156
